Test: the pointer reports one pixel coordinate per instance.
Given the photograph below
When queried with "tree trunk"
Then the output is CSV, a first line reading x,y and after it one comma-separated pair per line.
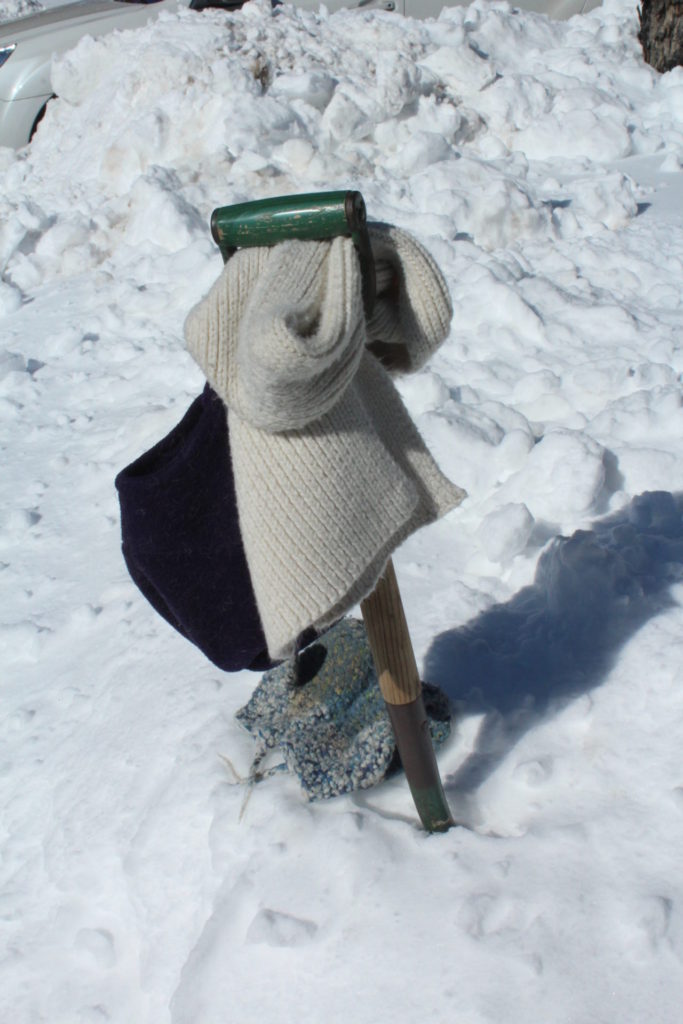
x,y
661,33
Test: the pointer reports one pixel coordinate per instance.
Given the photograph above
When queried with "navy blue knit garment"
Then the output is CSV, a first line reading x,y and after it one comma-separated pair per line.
x,y
181,538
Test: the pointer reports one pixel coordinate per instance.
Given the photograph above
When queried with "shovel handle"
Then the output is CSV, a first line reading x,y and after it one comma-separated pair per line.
x,y
322,215
392,650
399,681
309,216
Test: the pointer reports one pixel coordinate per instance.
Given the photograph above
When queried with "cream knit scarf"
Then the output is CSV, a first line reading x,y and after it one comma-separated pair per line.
x,y
330,472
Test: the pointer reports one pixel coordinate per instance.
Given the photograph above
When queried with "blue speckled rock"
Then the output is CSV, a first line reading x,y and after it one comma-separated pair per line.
x,y
327,715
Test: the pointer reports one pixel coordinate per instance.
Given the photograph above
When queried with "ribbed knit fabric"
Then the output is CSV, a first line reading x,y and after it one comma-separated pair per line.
x,y
281,333
331,474
414,308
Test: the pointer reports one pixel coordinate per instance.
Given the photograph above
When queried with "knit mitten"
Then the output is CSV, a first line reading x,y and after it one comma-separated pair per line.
x,y
413,308
211,326
281,333
302,334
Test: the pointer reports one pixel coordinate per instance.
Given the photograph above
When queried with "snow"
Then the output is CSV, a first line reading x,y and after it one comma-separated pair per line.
x,y
541,162
11,9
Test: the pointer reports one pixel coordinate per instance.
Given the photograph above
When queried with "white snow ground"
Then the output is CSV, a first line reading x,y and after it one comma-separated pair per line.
x,y
542,164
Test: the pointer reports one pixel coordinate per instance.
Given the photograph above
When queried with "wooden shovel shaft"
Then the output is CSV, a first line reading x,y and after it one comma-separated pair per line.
x,y
399,681
392,651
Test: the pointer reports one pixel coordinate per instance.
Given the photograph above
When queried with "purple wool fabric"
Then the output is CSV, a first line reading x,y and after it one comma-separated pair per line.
x,y
181,538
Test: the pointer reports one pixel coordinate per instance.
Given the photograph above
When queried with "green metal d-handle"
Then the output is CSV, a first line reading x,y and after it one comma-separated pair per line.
x,y
314,215
311,216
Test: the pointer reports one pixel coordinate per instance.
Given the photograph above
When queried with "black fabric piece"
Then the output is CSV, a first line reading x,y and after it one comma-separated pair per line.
x,y
181,539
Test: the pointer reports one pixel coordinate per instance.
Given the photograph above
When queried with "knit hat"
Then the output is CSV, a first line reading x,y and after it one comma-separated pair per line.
x,y
332,727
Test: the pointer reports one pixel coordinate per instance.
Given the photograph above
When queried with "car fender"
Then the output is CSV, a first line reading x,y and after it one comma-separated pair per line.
x,y
18,119
30,80
25,79
25,94
27,72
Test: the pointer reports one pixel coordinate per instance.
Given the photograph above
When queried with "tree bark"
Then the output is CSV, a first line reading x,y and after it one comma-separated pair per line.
x,y
661,33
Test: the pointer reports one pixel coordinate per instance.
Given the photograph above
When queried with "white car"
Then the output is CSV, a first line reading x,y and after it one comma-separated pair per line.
x,y
28,44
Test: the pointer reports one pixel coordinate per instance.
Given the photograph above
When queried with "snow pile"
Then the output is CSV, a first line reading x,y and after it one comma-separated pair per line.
x,y
11,9
542,164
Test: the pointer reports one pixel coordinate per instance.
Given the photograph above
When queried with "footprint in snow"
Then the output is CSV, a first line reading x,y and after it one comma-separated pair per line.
x,y
272,928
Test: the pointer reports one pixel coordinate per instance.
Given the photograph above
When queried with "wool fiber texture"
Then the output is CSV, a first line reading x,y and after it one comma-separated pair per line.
x,y
331,474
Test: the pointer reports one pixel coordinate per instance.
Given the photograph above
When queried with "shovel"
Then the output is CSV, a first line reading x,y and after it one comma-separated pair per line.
x,y
317,216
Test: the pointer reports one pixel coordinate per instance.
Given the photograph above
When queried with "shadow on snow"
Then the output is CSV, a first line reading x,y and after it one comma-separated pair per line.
x,y
559,637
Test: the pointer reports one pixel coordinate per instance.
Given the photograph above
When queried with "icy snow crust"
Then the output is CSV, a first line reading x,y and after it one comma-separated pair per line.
x,y
548,606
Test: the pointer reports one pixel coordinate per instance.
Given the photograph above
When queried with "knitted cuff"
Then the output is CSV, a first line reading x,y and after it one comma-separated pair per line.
x,y
413,307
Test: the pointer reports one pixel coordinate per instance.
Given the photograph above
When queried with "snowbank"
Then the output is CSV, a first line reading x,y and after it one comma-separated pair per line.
x,y
11,9
541,163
